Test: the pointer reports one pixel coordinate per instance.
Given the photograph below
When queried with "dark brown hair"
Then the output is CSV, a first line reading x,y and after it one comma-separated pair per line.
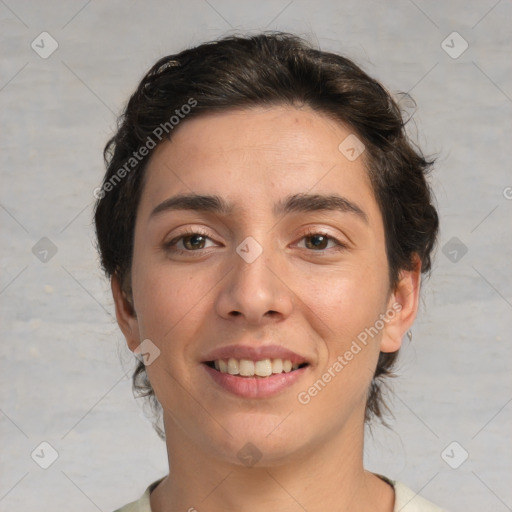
x,y
268,69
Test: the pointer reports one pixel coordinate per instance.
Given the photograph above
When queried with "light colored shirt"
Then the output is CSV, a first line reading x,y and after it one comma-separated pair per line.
x,y
406,500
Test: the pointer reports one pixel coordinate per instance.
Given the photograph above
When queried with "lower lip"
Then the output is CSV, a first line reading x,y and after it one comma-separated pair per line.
x,y
255,387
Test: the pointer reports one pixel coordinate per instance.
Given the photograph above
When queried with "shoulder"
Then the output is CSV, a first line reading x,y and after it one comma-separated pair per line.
x,y
143,503
406,500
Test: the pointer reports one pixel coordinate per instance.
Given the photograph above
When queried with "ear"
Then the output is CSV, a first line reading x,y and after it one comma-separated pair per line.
x,y
403,301
125,314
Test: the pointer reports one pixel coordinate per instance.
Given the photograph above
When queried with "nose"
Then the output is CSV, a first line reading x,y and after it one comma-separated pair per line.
x,y
255,292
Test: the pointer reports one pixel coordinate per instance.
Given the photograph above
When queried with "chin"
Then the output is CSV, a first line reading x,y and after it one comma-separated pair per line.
x,y
258,440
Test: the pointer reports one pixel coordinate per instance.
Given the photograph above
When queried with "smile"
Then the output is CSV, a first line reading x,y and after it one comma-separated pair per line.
x,y
248,382
247,368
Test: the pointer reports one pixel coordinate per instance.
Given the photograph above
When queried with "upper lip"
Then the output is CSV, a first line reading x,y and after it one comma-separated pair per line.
x,y
254,353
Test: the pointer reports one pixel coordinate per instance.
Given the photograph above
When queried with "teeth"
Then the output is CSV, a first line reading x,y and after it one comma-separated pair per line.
x,y
263,368
233,367
248,368
277,366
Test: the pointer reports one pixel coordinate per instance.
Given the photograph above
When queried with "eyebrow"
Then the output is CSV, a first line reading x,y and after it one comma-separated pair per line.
x,y
294,203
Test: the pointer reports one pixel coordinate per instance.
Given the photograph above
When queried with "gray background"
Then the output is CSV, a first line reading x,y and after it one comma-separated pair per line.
x,y
63,381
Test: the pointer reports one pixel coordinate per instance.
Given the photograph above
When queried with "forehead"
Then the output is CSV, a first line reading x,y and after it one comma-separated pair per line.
x,y
256,155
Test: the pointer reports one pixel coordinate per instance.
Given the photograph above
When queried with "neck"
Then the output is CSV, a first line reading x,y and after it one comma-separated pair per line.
x,y
326,476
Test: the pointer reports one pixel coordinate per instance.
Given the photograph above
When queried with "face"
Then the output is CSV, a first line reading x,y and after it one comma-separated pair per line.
x,y
286,264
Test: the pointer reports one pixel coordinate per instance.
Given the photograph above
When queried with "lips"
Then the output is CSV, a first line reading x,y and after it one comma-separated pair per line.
x,y
254,372
249,361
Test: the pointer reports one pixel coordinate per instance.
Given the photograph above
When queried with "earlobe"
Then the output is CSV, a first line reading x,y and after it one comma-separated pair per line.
x,y
125,314
404,301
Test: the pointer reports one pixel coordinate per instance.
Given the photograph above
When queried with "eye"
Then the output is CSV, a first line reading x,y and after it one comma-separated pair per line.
x,y
191,241
319,241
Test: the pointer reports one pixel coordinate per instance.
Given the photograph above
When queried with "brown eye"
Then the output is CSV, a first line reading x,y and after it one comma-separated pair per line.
x,y
321,242
188,243
318,241
195,241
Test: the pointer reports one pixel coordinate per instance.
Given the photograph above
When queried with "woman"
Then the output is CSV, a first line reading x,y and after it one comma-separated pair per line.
x,y
265,223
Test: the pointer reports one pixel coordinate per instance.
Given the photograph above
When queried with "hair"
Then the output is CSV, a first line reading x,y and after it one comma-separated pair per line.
x,y
268,69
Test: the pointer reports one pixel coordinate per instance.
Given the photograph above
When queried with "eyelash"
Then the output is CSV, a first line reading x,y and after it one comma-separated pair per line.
x,y
171,246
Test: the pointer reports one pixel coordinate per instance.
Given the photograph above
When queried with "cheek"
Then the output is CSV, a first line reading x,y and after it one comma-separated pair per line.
x,y
347,300
170,309
346,307
166,298
349,355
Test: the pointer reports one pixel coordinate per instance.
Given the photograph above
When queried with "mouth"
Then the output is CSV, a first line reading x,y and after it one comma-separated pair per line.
x,y
255,372
248,368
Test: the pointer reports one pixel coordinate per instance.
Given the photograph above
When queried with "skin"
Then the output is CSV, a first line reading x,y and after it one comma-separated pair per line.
x,y
312,301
